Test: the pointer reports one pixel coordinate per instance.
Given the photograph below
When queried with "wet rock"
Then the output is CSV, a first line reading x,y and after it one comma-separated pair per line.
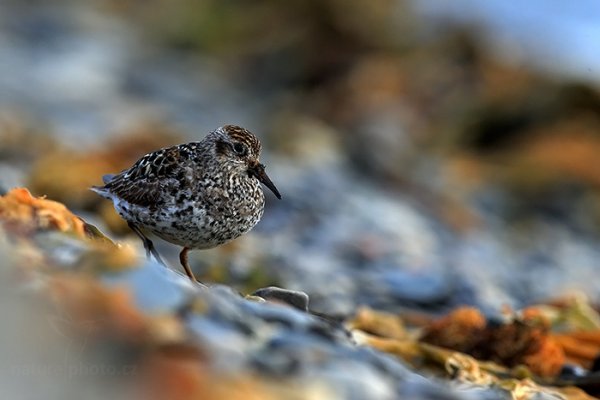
x,y
294,298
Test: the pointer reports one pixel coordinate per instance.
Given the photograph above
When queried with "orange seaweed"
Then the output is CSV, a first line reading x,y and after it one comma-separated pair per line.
x,y
23,214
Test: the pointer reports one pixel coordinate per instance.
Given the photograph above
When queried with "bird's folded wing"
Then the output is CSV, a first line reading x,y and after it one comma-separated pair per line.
x,y
149,181
143,192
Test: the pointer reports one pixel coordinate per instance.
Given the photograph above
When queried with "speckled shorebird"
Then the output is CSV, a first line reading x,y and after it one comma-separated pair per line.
x,y
197,195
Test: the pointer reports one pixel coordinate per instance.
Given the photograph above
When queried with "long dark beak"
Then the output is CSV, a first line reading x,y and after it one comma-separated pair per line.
x,y
258,170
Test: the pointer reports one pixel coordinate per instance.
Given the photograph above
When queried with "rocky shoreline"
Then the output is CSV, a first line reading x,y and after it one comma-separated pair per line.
x,y
119,317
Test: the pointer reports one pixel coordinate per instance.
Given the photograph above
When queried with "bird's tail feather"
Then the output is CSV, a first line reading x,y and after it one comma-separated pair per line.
x,y
101,190
107,178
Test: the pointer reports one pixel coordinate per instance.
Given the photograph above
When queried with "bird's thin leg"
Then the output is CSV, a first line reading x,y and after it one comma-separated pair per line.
x,y
144,239
148,245
183,258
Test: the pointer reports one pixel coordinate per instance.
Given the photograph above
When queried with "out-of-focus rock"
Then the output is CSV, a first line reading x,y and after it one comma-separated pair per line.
x,y
107,311
58,236
23,214
294,298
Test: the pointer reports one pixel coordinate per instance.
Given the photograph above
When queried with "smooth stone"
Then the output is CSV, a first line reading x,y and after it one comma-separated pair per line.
x,y
294,298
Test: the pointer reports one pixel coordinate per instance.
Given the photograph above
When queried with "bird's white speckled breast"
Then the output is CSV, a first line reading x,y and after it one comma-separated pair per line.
x,y
214,216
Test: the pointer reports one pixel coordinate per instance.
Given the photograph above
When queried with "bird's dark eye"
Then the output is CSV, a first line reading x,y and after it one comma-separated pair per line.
x,y
240,149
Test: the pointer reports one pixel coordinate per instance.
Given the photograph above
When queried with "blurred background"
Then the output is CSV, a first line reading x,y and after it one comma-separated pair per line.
x,y
429,153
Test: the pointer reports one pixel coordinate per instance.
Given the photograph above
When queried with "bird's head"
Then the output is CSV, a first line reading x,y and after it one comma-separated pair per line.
x,y
239,149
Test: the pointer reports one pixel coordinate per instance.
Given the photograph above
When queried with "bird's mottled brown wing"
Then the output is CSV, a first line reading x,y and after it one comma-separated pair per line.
x,y
145,193
146,183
